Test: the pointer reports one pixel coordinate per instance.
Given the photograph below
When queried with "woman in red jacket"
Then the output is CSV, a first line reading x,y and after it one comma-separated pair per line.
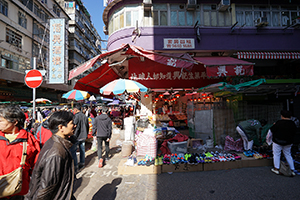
x,y
12,136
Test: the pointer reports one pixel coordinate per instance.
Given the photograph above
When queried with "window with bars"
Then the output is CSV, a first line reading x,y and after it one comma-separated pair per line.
x,y
22,19
277,16
3,7
13,38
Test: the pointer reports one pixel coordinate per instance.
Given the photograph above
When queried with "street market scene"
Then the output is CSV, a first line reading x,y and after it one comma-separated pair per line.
x,y
183,99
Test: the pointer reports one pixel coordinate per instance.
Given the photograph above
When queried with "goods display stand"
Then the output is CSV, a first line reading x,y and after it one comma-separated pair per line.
x,y
163,126
147,144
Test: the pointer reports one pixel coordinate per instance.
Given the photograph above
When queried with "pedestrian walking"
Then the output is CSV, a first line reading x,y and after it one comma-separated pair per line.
x,y
39,116
81,132
102,128
283,133
53,175
19,153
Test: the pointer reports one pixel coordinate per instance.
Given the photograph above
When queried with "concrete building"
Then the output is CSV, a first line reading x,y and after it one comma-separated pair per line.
x,y
263,33
85,42
24,28
25,33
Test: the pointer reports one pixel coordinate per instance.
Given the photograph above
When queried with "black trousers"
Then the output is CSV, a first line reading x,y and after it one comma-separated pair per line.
x,y
100,143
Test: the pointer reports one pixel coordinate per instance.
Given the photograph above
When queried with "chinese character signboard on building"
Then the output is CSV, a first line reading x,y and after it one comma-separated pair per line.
x,y
156,75
179,43
57,51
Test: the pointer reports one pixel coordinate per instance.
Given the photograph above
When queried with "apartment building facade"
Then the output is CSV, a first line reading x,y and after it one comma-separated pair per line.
x,y
265,33
25,33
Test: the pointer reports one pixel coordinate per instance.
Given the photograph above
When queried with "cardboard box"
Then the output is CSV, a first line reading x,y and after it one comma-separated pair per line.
x,y
136,169
176,123
182,168
194,143
222,165
252,162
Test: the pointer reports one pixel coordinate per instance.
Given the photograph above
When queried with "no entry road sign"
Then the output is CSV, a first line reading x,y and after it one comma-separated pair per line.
x,y
33,78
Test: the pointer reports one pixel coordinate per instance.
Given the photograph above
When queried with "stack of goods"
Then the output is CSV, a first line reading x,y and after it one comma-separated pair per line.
x,y
231,145
181,116
164,117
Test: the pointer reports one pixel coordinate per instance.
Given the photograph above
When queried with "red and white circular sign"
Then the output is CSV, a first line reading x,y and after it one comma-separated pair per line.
x,y
33,78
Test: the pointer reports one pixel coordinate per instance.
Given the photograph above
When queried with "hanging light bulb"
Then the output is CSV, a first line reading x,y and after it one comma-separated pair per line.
x,y
177,95
146,95
156,99
161,95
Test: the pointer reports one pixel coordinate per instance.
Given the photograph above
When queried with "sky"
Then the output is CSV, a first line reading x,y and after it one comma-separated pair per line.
x,y
95,8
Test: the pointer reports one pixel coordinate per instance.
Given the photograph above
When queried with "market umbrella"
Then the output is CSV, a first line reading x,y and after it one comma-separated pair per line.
x,y
41,100
121,85
76,95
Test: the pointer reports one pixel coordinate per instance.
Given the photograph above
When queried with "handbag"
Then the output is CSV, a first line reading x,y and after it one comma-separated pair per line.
x,y
12,183
285,169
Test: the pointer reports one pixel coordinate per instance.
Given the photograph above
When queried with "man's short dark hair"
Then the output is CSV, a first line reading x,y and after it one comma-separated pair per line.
x,y
104,109
78,106
59,118
286,113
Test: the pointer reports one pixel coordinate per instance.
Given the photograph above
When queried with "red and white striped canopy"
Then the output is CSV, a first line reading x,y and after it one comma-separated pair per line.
x,y
267,55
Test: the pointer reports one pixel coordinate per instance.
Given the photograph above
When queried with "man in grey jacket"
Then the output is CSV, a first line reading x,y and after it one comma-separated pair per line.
x,y
102,128
81,132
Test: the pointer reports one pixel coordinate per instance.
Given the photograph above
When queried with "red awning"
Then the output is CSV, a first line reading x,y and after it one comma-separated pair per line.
x,y
225,66
179,61
268,55
92,82
90,63
184,61
157,75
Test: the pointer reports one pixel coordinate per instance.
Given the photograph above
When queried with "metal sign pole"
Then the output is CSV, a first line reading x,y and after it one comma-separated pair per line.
x,y
33,93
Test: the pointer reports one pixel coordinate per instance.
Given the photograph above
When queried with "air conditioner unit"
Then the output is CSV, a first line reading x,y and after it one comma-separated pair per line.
x,y
261,21
223,5
147,4
105,31
191,4
296,23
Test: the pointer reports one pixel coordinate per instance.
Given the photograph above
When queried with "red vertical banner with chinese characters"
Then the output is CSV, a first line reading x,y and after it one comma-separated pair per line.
x,y
156,75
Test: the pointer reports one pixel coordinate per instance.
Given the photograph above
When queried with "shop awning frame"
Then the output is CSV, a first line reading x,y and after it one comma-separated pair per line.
x,y
267,55
259,87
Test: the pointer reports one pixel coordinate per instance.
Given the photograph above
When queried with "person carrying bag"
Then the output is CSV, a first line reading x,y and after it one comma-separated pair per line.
x,y
12,183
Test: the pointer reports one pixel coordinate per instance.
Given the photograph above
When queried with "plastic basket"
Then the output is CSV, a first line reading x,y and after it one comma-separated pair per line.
x,y
178,147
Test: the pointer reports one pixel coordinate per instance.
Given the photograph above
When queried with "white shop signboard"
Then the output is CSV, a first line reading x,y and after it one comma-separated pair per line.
x,y
179,43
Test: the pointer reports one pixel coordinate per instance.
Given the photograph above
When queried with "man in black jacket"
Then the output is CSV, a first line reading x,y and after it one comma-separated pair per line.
x,y
53,174
103,127
81,132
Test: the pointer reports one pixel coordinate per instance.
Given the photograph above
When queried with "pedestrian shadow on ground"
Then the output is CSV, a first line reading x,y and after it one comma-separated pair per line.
x,y
108,191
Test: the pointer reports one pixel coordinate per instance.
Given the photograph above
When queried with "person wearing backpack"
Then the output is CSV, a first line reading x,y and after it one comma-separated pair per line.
x,y
19,153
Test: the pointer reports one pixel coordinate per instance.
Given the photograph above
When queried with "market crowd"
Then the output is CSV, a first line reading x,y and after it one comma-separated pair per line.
x,y
39,161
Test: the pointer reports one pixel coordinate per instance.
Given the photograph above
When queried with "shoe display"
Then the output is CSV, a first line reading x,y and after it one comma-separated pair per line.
x,y
160,160
156,161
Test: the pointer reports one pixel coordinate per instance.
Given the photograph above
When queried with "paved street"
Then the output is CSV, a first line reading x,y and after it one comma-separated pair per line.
x,y
246,183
